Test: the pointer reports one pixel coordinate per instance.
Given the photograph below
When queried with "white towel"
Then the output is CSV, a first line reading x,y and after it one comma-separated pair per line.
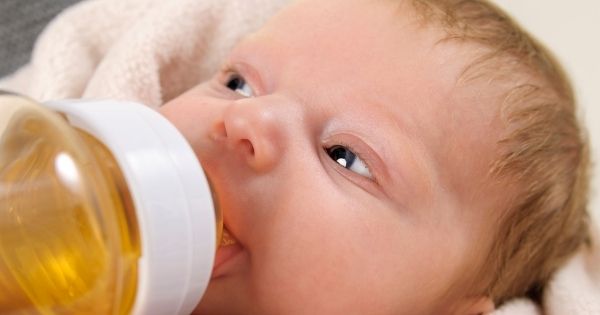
x,y
150,51
141,50
573,290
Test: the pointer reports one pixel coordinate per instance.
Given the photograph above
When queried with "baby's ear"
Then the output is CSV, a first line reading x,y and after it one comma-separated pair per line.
x,y
480,305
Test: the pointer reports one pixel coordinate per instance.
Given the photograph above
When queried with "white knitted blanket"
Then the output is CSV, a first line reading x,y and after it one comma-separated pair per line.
x,y
150,51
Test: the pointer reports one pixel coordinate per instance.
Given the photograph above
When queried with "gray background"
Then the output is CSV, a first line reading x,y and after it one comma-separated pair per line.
x,y
21,21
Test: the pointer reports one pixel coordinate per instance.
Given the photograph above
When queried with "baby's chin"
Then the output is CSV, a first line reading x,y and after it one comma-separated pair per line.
x,y
228,292
221,297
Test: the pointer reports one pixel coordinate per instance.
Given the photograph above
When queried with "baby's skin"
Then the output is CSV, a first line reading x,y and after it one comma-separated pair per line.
x,y
351,165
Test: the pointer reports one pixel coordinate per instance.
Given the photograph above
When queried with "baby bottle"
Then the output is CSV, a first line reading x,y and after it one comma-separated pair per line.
x,y
104,209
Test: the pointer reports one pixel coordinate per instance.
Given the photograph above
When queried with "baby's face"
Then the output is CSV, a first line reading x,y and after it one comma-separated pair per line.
x,y
350,166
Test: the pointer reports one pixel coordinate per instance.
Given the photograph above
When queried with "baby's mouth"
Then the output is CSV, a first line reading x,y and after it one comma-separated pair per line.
x,y
228,245
229,248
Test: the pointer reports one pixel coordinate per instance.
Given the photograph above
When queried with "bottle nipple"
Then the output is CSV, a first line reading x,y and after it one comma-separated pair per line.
x,y
227,239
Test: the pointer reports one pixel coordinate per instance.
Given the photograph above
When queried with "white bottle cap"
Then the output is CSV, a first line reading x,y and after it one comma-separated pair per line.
x,y
172,198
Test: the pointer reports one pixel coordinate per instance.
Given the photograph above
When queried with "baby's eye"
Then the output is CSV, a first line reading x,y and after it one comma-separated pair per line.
x,y
238,84
349,160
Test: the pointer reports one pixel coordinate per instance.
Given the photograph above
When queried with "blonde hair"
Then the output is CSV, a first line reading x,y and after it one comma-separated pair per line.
x,y
544,153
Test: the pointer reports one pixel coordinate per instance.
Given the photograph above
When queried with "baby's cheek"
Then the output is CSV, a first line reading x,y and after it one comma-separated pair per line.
x,y
336,259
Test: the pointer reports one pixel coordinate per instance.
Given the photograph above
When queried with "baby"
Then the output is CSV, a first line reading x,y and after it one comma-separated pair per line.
x,y
387,157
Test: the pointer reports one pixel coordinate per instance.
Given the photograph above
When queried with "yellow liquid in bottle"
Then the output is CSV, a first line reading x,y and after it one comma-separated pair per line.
x,y
69,241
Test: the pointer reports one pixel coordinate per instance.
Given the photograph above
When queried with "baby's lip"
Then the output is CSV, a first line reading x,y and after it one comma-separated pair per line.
x,y
228,249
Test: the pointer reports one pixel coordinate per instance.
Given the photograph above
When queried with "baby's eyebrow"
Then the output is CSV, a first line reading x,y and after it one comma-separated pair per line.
x,y
251,52
418,172
263,58
410,162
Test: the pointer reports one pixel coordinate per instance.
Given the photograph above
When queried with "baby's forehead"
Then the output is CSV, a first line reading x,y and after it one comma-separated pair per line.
x,y
363,49
360,40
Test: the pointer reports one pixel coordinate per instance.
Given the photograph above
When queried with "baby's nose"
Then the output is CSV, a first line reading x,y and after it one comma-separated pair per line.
x,y
254,131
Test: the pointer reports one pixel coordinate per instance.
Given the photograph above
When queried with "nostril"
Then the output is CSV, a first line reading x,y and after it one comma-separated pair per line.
x,y
247,146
